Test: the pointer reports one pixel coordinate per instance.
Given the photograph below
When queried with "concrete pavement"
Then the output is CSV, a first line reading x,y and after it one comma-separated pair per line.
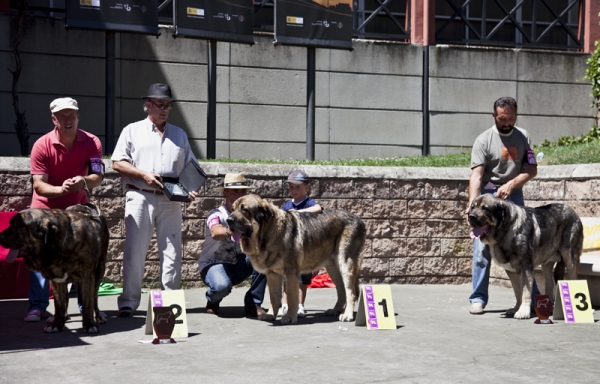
x,y
436,340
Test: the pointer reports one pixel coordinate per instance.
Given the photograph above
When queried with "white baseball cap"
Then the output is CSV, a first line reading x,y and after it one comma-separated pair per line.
x,y
63,103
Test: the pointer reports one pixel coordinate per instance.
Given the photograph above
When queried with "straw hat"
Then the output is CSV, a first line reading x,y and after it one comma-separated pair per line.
x,y
234,181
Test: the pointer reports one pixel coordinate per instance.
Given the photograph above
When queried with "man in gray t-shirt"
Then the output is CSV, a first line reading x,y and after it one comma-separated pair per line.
x,y
502,161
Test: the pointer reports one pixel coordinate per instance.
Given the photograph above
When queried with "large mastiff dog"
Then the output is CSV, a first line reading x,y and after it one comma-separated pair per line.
x,y
522,238
66,246
284,244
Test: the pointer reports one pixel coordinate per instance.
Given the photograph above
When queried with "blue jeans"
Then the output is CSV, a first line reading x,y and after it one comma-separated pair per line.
x,y
39,291
221,278
482,259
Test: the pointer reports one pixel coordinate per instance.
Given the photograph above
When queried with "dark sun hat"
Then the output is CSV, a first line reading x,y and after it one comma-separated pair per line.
x,y
159,91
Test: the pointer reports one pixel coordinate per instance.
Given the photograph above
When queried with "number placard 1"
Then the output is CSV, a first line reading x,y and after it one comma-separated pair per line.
x,y
573,302
376,307
174,299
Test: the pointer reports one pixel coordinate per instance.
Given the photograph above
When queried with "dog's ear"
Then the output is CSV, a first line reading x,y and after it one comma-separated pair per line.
x,y
263,213
49,231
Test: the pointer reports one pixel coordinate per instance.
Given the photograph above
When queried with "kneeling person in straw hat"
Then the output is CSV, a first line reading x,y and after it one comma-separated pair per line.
x,y
222,263
146,151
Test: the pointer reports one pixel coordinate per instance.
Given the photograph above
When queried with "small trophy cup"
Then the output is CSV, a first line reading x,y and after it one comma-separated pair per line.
x,y
164,323
543,309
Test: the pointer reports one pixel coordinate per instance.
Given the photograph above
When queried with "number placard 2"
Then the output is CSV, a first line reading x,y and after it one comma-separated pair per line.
x,y
573,302
376,307
175,299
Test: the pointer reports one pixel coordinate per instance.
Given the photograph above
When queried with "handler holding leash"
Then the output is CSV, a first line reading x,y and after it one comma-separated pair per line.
x,y
502,161
63,162
145,151
222,263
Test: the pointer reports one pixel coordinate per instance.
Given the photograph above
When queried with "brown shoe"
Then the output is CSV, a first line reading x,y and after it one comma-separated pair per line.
x,y
254,311
213,309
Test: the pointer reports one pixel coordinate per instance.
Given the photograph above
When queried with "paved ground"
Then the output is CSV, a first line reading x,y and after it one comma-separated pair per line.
x,y
436,340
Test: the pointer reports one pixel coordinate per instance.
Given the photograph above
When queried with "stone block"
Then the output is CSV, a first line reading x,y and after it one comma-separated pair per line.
x,y
112,273
580,190
116,227
408,227
374,266
189,270
112,206
386,247
390,208
192,249
115,249
368,188
424,209
544,190
19,203
359,207
406,266
192,228
339,189
263,86
11,184
456,247
440,266
423,247
452,209
378,228
375,58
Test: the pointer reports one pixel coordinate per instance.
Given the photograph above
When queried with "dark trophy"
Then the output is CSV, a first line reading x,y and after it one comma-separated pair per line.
x,y
543,309
164,323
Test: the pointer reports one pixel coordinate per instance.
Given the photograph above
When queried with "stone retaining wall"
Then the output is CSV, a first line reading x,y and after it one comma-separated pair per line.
x,y
416,232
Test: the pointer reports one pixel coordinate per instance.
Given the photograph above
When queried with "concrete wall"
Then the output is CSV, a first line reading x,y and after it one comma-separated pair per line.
x,y
369,101
416,229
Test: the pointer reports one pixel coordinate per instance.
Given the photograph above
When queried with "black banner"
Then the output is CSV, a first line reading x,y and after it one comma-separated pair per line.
x,y
221,20
318,23
113,15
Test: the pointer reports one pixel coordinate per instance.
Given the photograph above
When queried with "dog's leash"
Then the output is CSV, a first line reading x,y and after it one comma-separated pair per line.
x,y
87,191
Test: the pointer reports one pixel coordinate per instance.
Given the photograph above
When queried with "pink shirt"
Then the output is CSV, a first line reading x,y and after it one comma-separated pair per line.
x,y
50,157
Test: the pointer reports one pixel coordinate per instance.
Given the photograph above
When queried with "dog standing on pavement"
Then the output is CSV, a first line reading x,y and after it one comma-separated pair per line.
x,y
282,244
66,246
521,238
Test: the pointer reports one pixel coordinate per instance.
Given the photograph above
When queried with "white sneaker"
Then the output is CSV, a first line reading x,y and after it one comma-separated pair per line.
x,y
283,310
476,308
301,311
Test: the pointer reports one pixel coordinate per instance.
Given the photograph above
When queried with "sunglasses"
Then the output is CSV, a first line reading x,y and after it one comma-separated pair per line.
x,y
165,107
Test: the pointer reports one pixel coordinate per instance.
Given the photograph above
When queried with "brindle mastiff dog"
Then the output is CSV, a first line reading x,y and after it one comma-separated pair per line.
x,y
283,244
66,246
521,238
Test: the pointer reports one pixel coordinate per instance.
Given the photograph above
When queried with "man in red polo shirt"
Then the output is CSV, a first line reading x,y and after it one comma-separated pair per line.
x,y
63,162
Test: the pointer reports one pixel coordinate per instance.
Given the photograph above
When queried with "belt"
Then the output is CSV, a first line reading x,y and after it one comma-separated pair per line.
x,y
155,191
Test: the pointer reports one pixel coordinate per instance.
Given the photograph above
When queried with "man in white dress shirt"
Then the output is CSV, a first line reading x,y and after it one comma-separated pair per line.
x,y
146,151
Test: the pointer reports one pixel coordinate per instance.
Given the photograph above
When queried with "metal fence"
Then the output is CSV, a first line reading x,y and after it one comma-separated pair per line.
x,y
548,24
552,24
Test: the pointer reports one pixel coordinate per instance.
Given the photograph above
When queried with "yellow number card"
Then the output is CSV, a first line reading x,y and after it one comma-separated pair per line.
x,y
376,307
573,302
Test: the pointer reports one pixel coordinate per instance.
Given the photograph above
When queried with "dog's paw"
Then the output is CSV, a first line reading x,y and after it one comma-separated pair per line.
x,y
332,312
101,317
91,330
266,317
347,317
53,328
523,313
288,320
